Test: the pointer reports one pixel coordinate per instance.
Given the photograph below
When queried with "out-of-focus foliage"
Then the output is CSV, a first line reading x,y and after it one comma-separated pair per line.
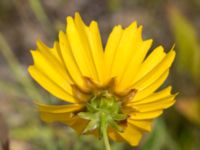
x,y
160,139
187,45
20,74
22,22
190,108
188,61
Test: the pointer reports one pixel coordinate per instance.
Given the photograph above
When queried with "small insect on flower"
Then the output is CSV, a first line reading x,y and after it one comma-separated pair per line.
x,y
110,92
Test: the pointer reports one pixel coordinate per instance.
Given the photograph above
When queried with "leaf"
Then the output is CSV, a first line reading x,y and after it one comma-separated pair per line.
x,y
187,46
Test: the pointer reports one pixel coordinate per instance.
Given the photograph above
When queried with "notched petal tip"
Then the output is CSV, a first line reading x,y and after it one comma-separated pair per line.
x,y
78,19
39,43
169,88
118,26
69,20
32,51
77,14
176,94
173,46
149,42
134,24
172,54
140,28
61,33
160,48
93,24
61,36
30,69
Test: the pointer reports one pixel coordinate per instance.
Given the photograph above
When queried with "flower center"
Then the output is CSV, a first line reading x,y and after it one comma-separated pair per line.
x,y
103,110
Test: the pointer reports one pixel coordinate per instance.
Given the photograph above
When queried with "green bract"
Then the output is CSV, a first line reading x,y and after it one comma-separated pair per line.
x,y
103,108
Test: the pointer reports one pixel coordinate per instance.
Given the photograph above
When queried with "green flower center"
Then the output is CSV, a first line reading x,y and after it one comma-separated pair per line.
x,y
103,110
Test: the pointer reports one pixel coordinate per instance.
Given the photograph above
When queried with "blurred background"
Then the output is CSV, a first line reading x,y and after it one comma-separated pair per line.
x,y
22,22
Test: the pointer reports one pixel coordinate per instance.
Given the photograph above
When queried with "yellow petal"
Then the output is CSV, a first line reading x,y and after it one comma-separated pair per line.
x,y
156,105
145,125
76,123
80,50
79,124
55,52
125,50
59,108
70,62
93,46
47,67
63,114
153,97
132,68
81,28
111,47
50,85
51,60
145,115
66,118
132,135
152,88
96,50
155,73
115,135
152,61
86,35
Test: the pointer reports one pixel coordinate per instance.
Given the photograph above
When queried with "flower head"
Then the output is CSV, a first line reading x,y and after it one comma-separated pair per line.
x,y
111,89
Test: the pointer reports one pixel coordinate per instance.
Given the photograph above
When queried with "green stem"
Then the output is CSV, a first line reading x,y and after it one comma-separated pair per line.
x,y
103,127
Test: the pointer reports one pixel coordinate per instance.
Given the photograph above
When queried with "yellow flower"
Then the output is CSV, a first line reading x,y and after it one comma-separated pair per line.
x,y
115,87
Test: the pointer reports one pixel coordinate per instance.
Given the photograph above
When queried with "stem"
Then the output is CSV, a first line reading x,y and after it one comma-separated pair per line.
x,y
103,127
